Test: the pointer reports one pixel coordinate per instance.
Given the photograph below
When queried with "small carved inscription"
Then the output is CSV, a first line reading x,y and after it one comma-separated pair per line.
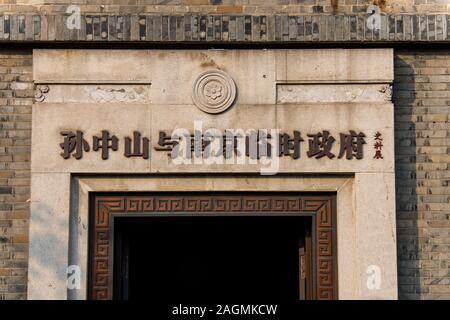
x,y
378,146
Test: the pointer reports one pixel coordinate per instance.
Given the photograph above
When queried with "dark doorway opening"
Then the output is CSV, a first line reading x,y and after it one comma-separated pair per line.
x,y
212,257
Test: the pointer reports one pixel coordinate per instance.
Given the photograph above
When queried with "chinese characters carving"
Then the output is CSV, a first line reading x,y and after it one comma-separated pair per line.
x,y
253,144
73,142
378,146
320,145
134,150
351,145
259,143
105,142
286,145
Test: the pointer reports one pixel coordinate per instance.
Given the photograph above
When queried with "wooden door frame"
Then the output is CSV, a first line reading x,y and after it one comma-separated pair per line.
x,y
105,207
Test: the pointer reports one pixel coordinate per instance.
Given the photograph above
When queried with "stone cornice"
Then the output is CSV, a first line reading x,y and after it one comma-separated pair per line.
x,y
223,28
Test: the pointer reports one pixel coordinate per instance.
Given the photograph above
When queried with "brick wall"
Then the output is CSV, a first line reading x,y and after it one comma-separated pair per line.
x,y
232,6
16,97
422,108
224,20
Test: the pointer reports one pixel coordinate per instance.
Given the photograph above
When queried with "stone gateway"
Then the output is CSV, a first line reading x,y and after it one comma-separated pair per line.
x,y
246,160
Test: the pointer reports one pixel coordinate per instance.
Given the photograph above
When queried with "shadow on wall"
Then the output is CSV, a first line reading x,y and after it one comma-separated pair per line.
x,y
408,246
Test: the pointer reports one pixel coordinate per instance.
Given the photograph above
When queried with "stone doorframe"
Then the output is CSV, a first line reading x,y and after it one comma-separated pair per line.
x,y
319,208
365,225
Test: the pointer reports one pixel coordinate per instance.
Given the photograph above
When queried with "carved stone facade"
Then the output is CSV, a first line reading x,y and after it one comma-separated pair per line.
x,y
314,90
40,93
239,90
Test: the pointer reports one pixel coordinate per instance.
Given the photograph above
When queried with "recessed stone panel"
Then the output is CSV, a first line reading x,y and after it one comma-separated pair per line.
x,y
92,93
331,93
337,65
91,66
176,72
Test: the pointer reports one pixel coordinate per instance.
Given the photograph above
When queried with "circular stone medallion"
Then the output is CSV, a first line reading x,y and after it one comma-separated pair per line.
x,y
214,91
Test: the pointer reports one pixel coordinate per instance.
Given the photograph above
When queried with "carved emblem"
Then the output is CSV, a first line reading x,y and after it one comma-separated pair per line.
x,y
214,91
39,93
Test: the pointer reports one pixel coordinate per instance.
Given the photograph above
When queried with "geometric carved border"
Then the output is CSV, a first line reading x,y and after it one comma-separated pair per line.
x,y
320,207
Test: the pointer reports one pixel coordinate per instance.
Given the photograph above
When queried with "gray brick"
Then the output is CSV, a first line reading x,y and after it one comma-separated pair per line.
x,y
126,27
284,28
248,28
308,28
421,130
209,28
14,26
15,153
6,27
29,27
148,28
218,28
271,28
180,29
157,28
203,27
195,27
187,27
36,27
134,28
112,29
60,27
240,28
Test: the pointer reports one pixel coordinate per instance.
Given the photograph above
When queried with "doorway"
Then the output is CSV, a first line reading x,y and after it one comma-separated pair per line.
x,y
215,246
212,257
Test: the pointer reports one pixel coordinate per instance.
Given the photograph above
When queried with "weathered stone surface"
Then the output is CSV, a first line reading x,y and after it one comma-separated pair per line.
x,y
92,66
86,93
169,117
421,168
349,270
373,212
322,65
176,87
304,93
311,118
47,271
170,107
49,121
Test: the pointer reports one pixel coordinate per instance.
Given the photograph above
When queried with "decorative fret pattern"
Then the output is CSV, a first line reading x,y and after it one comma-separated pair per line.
x,y
319,206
